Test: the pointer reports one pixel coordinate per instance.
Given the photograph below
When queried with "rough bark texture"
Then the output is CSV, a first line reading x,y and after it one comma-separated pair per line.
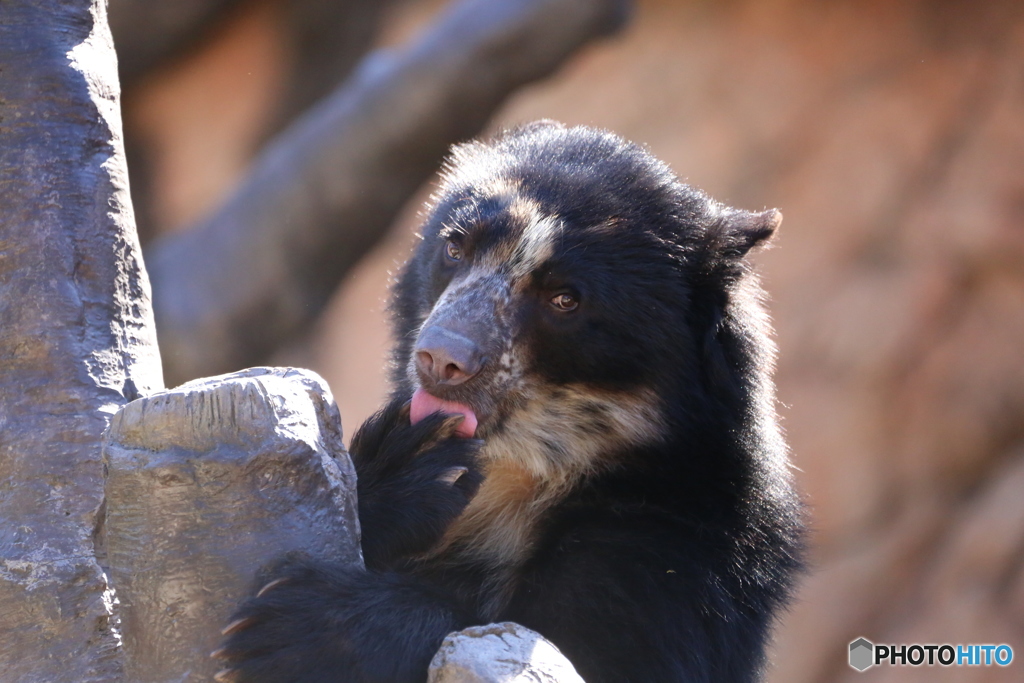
x,y
500,653
76,332
207,483
261,268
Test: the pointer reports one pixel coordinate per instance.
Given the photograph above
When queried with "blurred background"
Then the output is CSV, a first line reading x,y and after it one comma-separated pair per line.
x,y
889,132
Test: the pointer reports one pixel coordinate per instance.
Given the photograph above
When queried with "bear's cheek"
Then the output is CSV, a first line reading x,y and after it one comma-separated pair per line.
x,y
591,358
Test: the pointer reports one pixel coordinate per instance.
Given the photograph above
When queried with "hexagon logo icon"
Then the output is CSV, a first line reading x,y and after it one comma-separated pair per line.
x,y
862,654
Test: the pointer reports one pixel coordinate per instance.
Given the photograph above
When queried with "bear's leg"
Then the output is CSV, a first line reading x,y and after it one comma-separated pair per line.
x,y
319,622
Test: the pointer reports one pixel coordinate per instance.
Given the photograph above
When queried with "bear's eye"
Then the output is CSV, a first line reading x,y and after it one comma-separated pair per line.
x,y
564,302
453,250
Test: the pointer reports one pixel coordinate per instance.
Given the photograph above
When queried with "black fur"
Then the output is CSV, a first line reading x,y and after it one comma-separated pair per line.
x,y
665,550
404,505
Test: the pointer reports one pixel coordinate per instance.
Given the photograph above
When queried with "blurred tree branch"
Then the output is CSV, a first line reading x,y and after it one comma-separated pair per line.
x,y
147,33
324,40
261,268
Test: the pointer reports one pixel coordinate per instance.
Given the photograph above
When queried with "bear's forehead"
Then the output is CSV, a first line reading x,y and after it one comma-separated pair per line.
x,y
511,230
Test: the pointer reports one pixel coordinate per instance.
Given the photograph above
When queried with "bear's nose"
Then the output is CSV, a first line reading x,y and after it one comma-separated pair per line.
x,y
447,357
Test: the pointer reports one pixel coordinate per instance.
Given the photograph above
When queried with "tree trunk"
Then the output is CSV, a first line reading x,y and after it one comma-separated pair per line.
x,y
76,332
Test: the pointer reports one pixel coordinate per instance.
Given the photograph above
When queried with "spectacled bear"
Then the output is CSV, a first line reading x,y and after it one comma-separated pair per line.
x,y
582,436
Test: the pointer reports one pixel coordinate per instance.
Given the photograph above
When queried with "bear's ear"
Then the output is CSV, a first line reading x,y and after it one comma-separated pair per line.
x,y
741,231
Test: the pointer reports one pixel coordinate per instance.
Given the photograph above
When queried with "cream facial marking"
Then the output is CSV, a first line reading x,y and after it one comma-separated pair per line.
x,y
536,245
526,246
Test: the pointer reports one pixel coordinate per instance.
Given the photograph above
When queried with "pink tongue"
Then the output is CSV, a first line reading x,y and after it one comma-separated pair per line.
x,y
424,404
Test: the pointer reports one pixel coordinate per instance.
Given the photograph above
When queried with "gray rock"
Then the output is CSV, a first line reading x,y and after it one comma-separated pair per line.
x,y
206,484
500,653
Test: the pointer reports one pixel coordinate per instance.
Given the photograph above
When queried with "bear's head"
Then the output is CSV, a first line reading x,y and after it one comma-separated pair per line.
x,y
570,294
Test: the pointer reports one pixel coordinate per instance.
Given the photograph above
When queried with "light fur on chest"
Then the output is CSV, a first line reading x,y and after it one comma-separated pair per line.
x,y
554,440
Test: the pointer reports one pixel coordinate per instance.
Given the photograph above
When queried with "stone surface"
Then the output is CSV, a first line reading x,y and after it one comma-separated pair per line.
x,y
207,483
500,653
